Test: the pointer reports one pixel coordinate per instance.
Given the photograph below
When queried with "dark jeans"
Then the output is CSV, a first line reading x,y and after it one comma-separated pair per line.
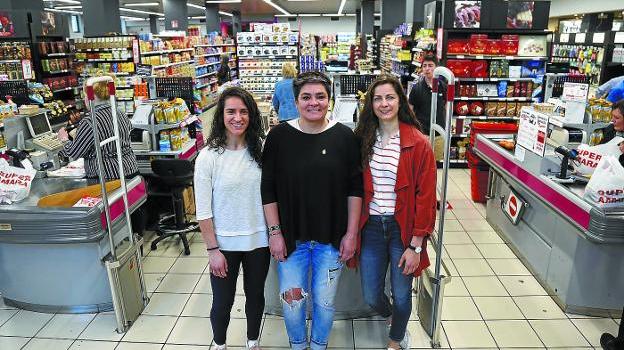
x,y
382,245
255,267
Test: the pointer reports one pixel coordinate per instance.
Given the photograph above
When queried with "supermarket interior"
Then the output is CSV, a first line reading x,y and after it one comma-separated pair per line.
x,y
105,106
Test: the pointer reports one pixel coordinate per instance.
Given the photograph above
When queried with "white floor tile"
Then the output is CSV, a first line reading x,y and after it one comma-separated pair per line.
x,y
188,347
514,333
370,334
178,283
93,345
459,309
203,286
194,265
471,225
274,333
473,267
496,251
468,334
468,213
558,333
462,203
464,251
198,305
157,264
66,326
341,335
103,327
238,309
198,250
237,333
539,307
508,267
152,280
450,225
456,237
419,339
148,328
170,247
486,286
498,308
138,346
12,343
168,304
48,344
455,288
191,331
593,328
25,324
5,315
522,285
485,237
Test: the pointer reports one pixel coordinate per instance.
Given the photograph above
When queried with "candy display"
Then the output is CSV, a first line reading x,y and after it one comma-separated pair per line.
x,y
467,14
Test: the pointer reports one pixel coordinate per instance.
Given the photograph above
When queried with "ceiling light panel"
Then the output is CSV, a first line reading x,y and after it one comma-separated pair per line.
x,y
342,5
226,13
62,11
196,6
277,7
141,11
71,2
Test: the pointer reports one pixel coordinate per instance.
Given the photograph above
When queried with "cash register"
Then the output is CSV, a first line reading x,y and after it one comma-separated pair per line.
x,y
41,132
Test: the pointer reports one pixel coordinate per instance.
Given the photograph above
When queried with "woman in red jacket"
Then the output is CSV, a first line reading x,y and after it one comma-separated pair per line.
x,y
399,206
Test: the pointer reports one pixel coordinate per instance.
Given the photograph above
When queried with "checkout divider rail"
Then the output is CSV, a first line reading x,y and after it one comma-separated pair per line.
x,y
121,312
431,287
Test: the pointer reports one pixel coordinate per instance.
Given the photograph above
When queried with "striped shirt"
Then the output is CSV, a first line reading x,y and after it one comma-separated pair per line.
x,y
383,165
83,145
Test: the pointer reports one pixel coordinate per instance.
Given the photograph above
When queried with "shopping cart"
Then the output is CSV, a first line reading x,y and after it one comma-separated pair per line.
x,y
124,269
431,286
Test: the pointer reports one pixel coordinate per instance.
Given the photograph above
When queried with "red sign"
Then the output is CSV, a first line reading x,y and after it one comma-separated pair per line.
x,y
174,23
513,207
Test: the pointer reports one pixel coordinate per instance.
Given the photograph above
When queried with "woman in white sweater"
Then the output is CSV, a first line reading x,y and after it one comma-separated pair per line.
x,y
229,211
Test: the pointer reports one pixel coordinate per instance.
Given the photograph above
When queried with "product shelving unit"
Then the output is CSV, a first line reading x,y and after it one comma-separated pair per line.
x,y
583,53
207,63
16,59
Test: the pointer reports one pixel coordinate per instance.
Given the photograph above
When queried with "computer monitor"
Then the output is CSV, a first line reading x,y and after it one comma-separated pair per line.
x,y
38,125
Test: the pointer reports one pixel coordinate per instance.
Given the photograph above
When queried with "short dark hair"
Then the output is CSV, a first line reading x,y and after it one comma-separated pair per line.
x,y
430,58
311,78
619,105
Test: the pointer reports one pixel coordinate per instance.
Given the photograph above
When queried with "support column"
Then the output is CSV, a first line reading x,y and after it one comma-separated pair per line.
x,y
34,7
6,5
392,13
358,21
367,16
101,17
213,22
415,11
153,21
176,14
236,22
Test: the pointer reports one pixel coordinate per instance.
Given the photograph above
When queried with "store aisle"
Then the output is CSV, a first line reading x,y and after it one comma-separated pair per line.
x,y
491,302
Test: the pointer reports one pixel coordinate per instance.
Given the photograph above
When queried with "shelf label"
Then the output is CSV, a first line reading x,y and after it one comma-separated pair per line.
x,y
619,38
135,51
564,38
579,38
479,57
598,38
439,47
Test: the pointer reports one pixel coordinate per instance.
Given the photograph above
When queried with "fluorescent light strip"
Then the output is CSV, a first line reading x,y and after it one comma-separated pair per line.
x,y
309,15
226,13
71,7
223,1
141,11
141,4
277,7
131,18
342,5
196,6
197,17
71,2
63,11
332,15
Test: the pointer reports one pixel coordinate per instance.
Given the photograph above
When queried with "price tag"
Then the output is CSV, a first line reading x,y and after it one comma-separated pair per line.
x,y
479,57
27,72
619,38
575,92
579,38
135,51
598,38
564,38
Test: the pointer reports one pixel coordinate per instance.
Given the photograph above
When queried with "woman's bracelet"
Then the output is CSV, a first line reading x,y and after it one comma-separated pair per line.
x,y
275,233
213,248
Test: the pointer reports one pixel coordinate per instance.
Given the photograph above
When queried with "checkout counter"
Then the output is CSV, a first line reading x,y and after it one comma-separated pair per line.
x,y
573,247
52,258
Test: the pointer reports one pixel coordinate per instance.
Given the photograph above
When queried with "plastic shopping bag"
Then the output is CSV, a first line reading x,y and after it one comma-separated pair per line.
x,y
15,182
589,156
606,186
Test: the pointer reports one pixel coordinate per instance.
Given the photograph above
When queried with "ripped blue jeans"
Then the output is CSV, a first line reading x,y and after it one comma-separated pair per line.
x,y
323,260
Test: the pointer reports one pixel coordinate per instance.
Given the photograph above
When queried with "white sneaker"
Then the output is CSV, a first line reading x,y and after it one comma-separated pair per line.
x,y
406,341
220,347
253,345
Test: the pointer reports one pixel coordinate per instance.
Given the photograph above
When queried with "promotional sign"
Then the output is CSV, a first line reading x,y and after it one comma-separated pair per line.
x,y
27,71
532,131
6,25
513,207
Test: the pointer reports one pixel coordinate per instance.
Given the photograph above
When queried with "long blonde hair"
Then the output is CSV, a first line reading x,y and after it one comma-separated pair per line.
x,y
288,70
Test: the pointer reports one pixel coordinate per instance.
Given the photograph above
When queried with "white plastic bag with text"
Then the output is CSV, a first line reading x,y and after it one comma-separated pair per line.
x,y
15,182
606,186
589,156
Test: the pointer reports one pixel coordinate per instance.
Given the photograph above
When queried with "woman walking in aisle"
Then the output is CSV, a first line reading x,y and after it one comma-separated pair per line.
x,y
311,191
399,207
229,212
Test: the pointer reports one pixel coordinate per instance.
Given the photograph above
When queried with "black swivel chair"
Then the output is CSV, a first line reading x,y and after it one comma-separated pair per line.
x,y
174,175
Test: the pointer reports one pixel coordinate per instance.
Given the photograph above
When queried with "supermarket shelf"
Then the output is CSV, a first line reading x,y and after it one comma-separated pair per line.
x,y
491,57
255,57
58,71
214,45
199,86
205,75
65,89
494,79
458,161
112,73
460,135
10,61
105,49
207,64
416,64
97,60
172,64
260,75
210,54
57,54
398,60
483,117
124,98
148,53
124,86
615,63
415,49
268,44
464,98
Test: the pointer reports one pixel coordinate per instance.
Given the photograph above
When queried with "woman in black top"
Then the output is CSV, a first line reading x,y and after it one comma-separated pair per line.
x,y
312,196
223,74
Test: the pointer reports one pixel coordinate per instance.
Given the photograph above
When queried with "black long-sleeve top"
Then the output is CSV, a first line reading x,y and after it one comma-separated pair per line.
x,y
310,177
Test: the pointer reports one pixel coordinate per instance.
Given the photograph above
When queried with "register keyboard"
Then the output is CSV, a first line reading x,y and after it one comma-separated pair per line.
x,y
49,142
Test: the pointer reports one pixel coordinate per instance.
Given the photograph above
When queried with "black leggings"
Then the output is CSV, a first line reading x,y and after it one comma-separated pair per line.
x,y
255,268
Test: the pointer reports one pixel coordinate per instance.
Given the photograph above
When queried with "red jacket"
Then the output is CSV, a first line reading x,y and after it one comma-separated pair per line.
x,y
415,189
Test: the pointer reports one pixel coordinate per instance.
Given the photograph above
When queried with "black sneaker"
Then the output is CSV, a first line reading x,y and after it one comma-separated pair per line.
x,y
609,342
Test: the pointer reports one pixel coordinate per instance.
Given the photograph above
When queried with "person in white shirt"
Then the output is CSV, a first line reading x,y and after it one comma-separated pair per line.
x,y
229,211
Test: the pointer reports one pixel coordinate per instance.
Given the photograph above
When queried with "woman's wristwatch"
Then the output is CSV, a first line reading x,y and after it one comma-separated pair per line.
x,y
418,250
275,230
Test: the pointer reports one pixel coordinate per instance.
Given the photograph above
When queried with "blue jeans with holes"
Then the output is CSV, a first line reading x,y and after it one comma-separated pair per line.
x,y
325,265
381,244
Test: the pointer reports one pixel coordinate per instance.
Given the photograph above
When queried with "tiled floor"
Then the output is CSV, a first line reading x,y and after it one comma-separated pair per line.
x,y
491,302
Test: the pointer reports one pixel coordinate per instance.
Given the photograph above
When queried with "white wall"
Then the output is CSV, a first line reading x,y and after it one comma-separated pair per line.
x,y
322,25
560,8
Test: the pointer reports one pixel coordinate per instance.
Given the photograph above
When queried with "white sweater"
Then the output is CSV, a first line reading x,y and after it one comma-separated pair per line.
x,y
227,190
